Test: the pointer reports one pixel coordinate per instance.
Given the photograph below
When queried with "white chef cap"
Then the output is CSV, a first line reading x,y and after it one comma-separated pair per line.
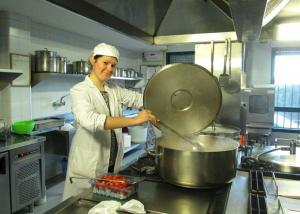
x,y
106,50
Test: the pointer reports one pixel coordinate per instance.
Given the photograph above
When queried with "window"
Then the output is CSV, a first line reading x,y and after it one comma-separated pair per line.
x,y
258,104
181,57
286,77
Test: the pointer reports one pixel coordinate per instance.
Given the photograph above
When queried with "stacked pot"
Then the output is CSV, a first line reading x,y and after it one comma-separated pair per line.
x,y
49,61
80,67
189,103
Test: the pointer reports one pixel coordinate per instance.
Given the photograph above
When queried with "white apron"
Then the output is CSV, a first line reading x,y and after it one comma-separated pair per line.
x,y
90,149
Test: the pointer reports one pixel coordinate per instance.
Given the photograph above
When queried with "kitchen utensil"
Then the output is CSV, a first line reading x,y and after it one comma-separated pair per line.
x,y
130,180
138,133
186,139
224,77
61,64
231,86
222,131
115,186
213,164
45,61
113,189
184,96
4,131
81,67
186,105
70,68
23,127
212,43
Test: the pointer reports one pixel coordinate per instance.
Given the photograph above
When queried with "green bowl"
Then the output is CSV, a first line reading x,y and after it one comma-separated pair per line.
x,y
23,127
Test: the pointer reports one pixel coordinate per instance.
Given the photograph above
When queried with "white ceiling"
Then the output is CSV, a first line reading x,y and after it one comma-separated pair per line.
x,y
291,10
44,12
50,14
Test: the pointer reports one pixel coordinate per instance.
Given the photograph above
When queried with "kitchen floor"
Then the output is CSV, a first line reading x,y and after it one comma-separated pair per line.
x,y
53,197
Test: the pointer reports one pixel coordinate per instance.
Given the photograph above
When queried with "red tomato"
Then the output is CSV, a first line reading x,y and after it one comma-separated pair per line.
x,y
123,185
120,178
109,177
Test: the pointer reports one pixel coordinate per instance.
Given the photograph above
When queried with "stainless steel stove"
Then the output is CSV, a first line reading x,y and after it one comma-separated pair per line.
x,y
167,198
266,166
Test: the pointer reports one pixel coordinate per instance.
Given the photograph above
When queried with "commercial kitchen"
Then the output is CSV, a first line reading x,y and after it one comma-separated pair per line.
x,y
222,76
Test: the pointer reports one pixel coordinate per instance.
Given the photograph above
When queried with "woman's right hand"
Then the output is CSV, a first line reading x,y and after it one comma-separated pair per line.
x,y
145,116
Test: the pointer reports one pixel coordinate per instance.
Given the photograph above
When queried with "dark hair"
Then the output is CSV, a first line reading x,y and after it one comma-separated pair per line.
x,y
97,56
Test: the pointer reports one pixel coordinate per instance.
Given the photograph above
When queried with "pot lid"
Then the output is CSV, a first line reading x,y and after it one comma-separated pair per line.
x,y
283,161
186,97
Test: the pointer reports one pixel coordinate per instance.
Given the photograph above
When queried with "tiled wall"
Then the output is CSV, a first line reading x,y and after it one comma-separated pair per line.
x,y
25,36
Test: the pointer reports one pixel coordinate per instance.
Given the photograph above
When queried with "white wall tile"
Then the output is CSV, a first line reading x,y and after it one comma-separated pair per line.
x,y
19,45
4,29
4,49
5,104
42,104
20,103
27,36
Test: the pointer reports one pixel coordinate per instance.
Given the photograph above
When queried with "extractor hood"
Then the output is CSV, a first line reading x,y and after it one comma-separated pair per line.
x,y
149,20
7,76
249,16
179,21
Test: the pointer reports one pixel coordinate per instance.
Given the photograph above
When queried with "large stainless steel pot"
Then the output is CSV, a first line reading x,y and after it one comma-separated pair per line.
x,y
211,165
45,61
81,67
61,64
187,104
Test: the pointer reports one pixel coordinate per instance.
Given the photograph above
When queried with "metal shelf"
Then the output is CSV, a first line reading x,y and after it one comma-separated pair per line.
x,y
44,131
7,76
132,147
39,77
132,158
126,78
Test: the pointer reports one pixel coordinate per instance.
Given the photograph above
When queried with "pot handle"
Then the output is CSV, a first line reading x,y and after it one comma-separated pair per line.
x,y
153,153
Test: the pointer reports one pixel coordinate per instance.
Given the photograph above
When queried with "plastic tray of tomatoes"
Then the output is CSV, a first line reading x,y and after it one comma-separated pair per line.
x,y
115,186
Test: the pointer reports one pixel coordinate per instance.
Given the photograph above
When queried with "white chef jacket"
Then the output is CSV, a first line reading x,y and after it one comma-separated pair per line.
x,y
90,149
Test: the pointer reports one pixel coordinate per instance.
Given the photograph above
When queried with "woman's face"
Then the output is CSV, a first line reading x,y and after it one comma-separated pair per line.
x,y
104,67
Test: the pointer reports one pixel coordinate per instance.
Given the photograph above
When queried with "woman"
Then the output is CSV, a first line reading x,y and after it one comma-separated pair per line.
x,y
97,106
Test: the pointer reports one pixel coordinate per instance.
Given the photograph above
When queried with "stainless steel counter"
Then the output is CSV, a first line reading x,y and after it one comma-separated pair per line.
x,y
22,180
16,141
167,198
238,196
